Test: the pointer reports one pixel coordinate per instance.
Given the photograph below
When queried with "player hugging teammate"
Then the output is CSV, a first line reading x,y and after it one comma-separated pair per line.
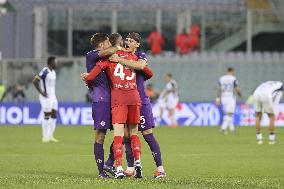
x,y
127,99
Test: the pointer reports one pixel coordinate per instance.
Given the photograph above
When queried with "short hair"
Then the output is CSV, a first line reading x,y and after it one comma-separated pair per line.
x,y
50,59
230,69
169,75
98,38
135,36
113,38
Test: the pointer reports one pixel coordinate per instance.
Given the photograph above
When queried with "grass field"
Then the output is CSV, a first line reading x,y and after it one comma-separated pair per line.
x,y
194,157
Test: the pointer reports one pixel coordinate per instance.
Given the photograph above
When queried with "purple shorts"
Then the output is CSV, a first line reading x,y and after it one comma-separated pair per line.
x,y
146,118
101,113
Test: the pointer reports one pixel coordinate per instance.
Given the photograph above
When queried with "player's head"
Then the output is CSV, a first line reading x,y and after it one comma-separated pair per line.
x,y
230,71
51,62
100,41
116,39
132,41
168,77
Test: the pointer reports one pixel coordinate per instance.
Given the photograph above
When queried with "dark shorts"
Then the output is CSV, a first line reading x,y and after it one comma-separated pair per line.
x,y
146,118
101,113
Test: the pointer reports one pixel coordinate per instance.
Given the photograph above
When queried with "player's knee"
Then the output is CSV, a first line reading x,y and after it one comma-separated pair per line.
x,y
100,136
147,132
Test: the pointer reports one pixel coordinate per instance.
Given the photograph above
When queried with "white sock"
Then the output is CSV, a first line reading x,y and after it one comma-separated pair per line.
x,y
161,169
45,128
259,136
231,123
225,123
131,169
119,168
272,137
52,126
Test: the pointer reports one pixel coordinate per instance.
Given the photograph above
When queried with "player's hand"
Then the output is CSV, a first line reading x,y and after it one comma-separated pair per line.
x,y
114,58
218,102
44,94
84,76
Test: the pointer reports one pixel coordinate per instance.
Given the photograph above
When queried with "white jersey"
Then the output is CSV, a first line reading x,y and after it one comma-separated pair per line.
x,y
48,81
271,88
228,84
170,90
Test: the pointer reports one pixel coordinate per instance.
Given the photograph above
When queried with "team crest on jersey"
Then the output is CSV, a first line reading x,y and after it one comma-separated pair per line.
x,y
103,123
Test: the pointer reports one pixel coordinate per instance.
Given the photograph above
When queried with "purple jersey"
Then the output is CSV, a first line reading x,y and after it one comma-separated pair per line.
x,y
140,80
101,90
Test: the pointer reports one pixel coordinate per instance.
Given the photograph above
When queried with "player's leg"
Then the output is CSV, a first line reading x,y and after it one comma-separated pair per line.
x,y
272,137
145,126
46,108
128,152
156,152
273,103
133,120
109,164
102,121
53,125
258,116
99,150
45,127
226,117
232,108
171,104
118,148
119,117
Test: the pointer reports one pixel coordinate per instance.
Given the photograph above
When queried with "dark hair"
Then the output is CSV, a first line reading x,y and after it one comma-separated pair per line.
x,y
169,75
50,60
98,38
135,36
113,38
230,69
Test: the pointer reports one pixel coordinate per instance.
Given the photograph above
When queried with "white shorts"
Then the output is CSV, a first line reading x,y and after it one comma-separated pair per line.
x,y
48,104
228,105
264,102
169,102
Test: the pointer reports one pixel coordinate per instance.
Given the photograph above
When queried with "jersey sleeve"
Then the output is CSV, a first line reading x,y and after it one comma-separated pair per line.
x,y
96,71
142,56
91,58
43,73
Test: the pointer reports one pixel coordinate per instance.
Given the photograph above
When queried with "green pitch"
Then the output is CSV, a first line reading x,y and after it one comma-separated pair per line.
x,y
194,157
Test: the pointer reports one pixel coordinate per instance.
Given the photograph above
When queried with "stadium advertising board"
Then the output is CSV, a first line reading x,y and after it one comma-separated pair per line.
x,y
188,114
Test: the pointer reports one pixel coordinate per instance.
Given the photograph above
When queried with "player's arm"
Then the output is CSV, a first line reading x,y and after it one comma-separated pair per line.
x,y
36,82
147,72
219,91
89,77
137,65
237,89
109,51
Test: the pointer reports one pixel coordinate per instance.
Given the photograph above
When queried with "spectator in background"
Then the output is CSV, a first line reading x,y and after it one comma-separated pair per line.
x,y
155,40
182,43
18,93
152,93
2,92
194,35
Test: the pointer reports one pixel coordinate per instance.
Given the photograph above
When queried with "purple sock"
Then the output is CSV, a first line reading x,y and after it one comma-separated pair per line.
x,y
128,152
99,156
110,160
155,148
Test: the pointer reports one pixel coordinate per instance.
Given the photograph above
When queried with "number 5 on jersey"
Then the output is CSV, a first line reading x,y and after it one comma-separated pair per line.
x,y
119,72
